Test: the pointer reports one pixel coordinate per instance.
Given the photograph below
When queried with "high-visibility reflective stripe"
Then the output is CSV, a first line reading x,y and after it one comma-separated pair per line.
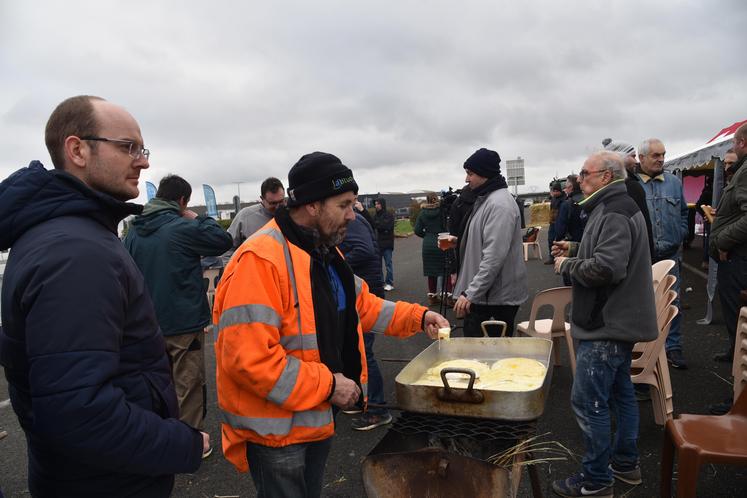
x,y
278,426
358,285
275,234
364,388
384,318
305,342
278,235
286,382
292,276
248,313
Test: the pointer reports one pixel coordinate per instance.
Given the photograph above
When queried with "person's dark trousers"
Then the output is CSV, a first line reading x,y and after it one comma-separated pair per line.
x,y
479,313
550,240
732,278
375,380
601,387
293,471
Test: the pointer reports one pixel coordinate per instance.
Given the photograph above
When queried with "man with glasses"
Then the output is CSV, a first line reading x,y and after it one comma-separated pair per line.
x,y
613,308
252,218
87,370
668,211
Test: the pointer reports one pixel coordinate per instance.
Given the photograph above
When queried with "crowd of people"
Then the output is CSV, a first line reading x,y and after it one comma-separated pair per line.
x,y
102,340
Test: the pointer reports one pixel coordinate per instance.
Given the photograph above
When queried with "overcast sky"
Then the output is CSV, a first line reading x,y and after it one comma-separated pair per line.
x,y
402,91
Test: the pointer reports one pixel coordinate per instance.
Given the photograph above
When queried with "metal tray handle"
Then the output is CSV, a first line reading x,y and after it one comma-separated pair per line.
x,y
448,393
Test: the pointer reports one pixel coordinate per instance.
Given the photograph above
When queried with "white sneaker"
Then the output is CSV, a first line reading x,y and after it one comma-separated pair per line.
x,y
388,287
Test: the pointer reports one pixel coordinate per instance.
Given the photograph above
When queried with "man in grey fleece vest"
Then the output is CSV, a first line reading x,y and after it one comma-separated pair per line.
x,y
613,308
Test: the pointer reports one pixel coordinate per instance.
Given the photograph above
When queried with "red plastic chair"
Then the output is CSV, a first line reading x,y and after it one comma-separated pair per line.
x,y
701,439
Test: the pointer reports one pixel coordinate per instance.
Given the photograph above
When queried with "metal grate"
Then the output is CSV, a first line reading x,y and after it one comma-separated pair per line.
x,y
463,427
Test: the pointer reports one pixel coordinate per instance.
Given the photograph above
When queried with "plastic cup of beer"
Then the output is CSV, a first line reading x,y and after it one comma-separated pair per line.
x,y
445,241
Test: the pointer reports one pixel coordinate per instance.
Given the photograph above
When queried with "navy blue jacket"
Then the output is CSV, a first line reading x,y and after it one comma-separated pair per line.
x,y
167,249
362,253
86,366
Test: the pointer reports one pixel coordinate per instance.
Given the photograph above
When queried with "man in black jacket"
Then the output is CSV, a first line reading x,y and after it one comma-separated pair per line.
x,y
384,225
87,371
362,254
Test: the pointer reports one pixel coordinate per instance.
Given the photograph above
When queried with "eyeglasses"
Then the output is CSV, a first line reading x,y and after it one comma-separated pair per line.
x,y
135,150
583,173
274,203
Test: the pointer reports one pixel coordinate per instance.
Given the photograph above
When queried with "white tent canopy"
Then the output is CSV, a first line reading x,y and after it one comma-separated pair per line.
x,y
702,157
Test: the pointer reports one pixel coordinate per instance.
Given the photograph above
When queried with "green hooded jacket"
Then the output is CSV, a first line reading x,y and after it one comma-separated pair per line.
x,y
167,248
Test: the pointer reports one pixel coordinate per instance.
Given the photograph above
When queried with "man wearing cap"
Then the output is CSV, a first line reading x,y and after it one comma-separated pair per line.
x,y
635,191
290,349
668,210
492,280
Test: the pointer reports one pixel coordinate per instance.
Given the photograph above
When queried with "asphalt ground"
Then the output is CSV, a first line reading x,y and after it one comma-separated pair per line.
x,y
705,382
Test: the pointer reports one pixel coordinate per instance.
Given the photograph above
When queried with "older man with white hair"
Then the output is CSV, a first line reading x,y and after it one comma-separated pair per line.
x,y
613,308
668,209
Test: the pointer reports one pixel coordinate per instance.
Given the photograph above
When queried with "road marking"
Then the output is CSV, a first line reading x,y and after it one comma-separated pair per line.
x,y
695,270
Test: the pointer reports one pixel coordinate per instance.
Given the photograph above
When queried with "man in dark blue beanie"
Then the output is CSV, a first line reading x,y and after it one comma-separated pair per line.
x,y
484,162
291,315
492,280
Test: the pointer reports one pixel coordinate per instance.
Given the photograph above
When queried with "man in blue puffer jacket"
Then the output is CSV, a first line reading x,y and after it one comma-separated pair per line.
x,y
87,370
166,242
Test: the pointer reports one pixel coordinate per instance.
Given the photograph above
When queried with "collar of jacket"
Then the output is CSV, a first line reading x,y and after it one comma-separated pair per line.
x,y
646,178
738,165
612,188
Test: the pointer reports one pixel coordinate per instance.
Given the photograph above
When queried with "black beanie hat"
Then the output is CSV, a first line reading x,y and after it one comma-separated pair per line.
x,y
317,176
484,162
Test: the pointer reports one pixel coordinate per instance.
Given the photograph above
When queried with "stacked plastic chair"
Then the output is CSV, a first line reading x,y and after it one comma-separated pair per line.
x,y
555,328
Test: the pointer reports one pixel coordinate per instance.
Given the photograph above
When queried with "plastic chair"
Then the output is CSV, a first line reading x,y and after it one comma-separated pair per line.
x,y
210,279
701,439
660,291
660,269
558,298
649,369
534,244
739,365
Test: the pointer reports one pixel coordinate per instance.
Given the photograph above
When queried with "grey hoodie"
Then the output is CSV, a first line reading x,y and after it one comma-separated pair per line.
x,y
492,270
613,294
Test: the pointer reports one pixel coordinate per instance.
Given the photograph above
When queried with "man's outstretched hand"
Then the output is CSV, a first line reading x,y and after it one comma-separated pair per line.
x,y
432,322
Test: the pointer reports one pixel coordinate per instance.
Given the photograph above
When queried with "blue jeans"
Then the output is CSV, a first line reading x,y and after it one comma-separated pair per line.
x,y
602,385
288,472
375,380
387,255
674,339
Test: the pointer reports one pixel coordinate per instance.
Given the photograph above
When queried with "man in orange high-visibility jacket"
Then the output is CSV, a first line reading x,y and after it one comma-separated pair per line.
x,y
290,316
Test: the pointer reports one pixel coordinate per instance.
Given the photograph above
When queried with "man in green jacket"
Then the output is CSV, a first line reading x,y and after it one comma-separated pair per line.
x,y
728,245
167,241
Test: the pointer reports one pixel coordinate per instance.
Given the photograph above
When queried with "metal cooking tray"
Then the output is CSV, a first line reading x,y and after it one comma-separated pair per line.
x,y
471,402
